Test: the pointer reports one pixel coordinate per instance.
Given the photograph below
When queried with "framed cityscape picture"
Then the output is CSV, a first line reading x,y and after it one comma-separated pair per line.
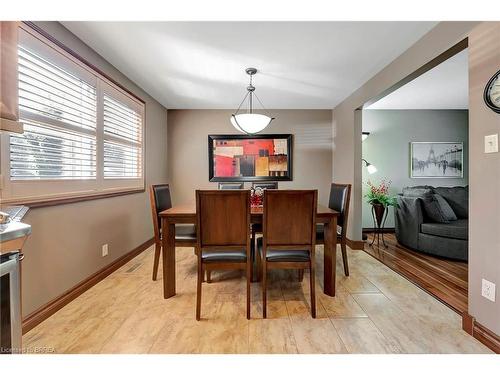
x,y
266,157
436,160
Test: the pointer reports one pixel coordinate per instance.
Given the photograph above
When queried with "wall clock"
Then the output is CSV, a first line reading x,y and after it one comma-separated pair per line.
x,y
492,93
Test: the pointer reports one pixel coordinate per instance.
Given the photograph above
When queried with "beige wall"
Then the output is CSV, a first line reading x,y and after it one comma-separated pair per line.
x,y
484,176
188,148
484,181
65,246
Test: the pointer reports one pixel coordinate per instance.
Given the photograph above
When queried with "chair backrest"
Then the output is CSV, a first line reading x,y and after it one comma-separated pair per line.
x,y
340,195
290,219
160,200
265,185
230,185
223,218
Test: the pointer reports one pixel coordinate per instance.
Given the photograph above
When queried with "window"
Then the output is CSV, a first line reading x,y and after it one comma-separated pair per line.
x,y
82,134
122,140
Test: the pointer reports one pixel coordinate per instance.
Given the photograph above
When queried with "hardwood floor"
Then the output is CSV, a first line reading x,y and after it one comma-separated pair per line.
x,y
445,279
375,311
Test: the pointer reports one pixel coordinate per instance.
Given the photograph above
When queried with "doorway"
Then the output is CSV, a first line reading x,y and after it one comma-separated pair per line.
x,y
415,149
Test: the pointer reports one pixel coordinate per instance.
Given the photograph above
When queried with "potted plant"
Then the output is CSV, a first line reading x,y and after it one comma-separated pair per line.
x,y
378,196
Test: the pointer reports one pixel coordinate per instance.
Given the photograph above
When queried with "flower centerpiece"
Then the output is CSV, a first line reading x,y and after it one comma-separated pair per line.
x,y
378,196
256,197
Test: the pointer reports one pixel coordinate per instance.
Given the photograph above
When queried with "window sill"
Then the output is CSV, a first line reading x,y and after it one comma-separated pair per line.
x,y
73,199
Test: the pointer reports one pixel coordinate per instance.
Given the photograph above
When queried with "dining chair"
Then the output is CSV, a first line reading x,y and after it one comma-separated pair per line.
x,y
340,195
185,234
231,185
223,240
265,185
289,236
226,186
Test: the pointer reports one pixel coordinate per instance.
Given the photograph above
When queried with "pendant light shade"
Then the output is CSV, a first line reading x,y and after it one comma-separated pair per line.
x,y
250,122
370,167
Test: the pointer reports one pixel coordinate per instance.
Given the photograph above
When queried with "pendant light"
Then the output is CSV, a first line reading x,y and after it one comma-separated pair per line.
x,y
250,122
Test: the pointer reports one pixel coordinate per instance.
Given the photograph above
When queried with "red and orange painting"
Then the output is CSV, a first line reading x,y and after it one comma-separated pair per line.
x,y
250,158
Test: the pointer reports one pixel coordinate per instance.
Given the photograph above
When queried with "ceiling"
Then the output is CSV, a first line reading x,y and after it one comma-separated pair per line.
x,y
197,65
444,87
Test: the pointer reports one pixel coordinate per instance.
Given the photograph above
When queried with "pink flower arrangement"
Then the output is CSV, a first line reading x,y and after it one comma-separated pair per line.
x,y
383,188
379,194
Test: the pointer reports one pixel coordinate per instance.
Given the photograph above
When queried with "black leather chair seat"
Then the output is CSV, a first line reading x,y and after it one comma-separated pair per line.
x,y
235,256
257,228
185,232
284,255
320,232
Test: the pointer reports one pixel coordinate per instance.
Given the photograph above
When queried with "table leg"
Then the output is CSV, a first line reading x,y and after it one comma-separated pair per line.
x,y
330,256
168,258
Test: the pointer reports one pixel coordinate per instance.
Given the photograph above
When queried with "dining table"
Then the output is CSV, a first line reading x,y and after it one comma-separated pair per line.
x,y
186,214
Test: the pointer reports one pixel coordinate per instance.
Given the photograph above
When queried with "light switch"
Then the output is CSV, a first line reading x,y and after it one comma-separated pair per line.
x,y
491,143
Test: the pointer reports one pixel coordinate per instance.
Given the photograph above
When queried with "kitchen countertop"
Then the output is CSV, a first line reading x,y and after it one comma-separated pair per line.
x,y
13,230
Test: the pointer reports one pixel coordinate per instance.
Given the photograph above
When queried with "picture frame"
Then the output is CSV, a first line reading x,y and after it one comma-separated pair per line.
x,y
436,160
241,158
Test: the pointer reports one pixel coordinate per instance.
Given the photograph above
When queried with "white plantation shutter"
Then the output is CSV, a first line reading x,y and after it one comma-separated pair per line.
x,y
49,92
122,140
82,135
59,110
45,152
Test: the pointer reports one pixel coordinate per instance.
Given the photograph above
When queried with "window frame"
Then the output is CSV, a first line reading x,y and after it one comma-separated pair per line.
x,y
45,192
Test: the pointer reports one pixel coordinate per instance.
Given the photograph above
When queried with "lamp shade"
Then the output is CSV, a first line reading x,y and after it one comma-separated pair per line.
x,y
371,168
250,123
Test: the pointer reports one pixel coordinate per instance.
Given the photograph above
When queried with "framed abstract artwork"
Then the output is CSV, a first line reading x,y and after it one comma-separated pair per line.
x,y
436,160
263,157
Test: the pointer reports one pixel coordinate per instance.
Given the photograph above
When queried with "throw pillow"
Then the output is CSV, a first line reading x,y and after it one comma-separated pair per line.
x,y
434,210
446,209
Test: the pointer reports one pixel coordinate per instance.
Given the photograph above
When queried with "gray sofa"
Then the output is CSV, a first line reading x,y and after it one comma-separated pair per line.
x,y
418,228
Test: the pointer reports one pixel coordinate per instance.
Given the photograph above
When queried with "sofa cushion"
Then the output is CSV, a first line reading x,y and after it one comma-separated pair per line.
x,y
458,199
418,191
458,229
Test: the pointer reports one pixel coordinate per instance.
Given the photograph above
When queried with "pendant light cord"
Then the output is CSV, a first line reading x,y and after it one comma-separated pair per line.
x,y
243,101
265,109
252,93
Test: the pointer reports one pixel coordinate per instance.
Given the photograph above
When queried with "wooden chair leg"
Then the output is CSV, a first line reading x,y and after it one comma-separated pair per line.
x,y
313,291
209,276
258,267
156,260
264,289
301,274
249,280
344,258
198,289
254,238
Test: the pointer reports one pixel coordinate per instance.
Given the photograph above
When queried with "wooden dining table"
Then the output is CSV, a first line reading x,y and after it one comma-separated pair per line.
x,y
186,214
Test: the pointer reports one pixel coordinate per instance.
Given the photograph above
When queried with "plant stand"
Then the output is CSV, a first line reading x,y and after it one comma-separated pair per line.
x,y
379,214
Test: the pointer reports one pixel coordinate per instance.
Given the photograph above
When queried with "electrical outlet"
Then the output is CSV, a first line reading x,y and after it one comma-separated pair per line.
x,y
488,290
104,250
